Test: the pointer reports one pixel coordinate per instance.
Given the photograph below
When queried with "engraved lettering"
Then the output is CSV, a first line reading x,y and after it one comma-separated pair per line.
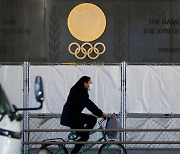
x,y
9,22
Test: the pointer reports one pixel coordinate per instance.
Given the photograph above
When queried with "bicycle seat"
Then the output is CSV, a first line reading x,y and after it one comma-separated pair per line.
x,y
73,136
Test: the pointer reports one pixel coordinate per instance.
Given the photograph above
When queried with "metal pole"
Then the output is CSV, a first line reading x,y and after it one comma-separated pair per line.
x,y
25,103
123,100
124,66
122,97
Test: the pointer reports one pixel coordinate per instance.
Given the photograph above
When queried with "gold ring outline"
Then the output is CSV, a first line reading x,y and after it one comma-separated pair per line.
x,y
87,52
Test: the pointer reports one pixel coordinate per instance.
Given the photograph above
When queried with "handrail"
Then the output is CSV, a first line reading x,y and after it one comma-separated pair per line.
x,y
103,142
128,115
102,130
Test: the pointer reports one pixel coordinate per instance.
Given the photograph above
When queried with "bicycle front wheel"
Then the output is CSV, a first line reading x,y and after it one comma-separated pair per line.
x,y
112,149
53,149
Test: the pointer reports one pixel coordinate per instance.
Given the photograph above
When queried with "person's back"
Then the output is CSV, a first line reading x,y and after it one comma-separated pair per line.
x,y
74,106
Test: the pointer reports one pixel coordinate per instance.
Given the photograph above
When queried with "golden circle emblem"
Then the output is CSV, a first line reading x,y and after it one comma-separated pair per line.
x,y
86,22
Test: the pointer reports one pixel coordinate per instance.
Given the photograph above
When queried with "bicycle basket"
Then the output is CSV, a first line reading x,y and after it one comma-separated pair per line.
x,y
112,123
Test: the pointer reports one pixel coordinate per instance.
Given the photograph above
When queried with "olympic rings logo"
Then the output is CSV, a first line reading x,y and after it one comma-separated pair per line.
x,y
81,52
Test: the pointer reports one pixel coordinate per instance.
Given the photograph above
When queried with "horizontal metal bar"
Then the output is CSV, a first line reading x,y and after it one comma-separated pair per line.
x,y
47,115
128,115
12,63
153,148
55,115
152,63
93,63
104,142
151,115
102,130
75,63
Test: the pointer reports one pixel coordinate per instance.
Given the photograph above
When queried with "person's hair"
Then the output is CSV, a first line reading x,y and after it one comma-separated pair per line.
x,y
79,86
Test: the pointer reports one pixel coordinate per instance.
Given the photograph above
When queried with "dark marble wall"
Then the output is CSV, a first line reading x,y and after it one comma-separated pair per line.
x,y
136,31
21,30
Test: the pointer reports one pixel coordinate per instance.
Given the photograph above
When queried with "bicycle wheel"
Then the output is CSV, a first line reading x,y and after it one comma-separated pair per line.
x,y
112,149
53,149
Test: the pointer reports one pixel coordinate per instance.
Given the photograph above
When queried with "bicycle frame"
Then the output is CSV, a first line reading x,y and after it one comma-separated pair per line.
x,y
74,136
103,137
86,148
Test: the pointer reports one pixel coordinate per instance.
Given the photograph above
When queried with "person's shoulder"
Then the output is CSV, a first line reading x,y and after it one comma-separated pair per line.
x,y
83,93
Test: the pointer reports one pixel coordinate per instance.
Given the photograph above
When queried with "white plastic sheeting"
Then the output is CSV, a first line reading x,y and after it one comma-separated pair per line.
x,y
153,89
58,79
11,79
149,89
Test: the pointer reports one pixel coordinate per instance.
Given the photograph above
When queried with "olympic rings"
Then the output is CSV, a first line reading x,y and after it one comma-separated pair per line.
x,y
86,52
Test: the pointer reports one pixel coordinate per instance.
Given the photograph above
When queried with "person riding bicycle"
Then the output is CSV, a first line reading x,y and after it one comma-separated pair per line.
x,y
72,115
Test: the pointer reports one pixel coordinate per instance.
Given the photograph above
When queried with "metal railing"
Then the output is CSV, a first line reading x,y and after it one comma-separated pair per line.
x,y
103,130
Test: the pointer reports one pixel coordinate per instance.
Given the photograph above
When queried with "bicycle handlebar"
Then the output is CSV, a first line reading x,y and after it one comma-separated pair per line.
x,y
101,121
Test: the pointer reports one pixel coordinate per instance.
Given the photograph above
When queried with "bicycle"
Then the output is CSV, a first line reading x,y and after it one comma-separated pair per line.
x,y
61,149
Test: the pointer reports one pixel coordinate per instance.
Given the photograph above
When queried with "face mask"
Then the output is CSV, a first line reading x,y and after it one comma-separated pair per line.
x,y
90,87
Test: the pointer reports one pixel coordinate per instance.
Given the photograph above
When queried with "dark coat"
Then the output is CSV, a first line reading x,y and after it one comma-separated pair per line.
x,y
71,114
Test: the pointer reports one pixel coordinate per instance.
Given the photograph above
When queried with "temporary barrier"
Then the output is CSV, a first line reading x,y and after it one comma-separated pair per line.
x,y
153,89
144,96
11,79
58,79
152,101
